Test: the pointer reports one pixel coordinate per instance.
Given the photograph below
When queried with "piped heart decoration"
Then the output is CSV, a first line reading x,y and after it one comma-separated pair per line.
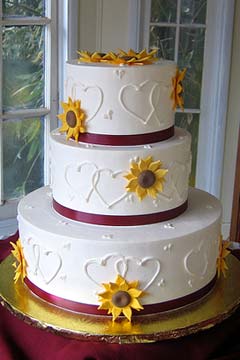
x,y
91,96
47,263
145,270
196,261
115,180
147,93
79,178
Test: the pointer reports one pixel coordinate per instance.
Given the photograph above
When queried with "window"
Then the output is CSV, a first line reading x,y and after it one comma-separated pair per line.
x,y
28,98
197,34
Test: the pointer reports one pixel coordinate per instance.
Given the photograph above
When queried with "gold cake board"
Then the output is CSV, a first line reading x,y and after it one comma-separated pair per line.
x,y
219,304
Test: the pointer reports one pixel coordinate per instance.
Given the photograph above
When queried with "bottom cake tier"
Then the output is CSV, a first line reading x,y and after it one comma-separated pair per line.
x,y
174,262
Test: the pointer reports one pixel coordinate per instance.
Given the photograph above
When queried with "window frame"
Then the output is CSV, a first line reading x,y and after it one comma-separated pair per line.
x,y
214,94
8,209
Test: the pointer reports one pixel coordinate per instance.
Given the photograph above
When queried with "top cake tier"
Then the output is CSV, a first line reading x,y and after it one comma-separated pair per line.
x,y
123,105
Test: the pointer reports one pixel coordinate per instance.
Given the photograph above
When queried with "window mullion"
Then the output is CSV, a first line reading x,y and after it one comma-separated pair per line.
x,y
51,81
177,31
22,21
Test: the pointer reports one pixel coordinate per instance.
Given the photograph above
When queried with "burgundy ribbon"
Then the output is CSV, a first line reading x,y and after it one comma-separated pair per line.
x,y
93,309
126,140
118,220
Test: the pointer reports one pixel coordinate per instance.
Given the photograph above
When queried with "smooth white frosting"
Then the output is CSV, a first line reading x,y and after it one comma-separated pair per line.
x,y
71,260
91,178
123,100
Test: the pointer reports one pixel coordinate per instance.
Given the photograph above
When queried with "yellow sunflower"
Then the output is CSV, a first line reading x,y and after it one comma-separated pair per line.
x,y
21,265
223,253
133,58
120,297
72,119
87,57
177,92
146,178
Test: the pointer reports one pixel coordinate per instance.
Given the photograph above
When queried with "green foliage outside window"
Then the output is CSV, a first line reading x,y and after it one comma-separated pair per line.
x,y
23,88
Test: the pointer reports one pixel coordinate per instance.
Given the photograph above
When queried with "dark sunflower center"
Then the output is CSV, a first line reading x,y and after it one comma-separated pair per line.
x,y
121,299
146,179
71,119
126,57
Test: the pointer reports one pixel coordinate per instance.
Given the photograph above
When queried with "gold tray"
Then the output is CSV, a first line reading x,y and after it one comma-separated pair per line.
x,y
219,304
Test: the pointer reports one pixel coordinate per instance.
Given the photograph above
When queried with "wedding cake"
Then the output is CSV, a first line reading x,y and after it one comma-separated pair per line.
x,y
119,232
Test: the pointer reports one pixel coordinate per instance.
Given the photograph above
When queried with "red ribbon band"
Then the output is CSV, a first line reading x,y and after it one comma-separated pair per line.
x,y
93,309
118,220
127,140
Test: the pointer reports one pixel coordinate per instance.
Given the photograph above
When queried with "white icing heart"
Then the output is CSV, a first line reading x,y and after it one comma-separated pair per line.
x,y
149,94
47,263
196,261
103,270
79,178
115,180
88,94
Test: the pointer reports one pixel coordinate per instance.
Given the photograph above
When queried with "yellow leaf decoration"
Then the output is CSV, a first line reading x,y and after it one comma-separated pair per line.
x,y
120,297
223,253
21,265
73,119
120,58
146,178
177,92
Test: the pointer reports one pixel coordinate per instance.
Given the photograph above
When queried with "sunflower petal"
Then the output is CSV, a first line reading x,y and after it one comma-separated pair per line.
x,y
141,192
134,292
127,311
116,311
155,165
135,304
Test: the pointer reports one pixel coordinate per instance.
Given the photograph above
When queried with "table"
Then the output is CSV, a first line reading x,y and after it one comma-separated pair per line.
x,y
19,340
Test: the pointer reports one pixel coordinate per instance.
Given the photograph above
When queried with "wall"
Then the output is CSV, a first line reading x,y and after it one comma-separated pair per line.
x,y
103,25
233,119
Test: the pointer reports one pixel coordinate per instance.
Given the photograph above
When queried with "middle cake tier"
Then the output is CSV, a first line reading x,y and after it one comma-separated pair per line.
x,y
107,185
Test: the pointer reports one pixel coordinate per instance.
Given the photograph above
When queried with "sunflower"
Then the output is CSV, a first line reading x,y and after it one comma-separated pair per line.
x,y
120,297
133,58
223,253
177,92
146,178
72,119
87,57
20,267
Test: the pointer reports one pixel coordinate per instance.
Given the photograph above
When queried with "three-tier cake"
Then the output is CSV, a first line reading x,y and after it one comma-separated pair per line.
x,y
118,231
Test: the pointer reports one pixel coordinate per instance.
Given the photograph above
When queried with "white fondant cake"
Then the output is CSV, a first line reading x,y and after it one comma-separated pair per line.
x,y
91,179
173,261
123,100
71,260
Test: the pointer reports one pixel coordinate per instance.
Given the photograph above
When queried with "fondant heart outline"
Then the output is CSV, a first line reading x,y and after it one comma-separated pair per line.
x,y
38,269
85,88
196,251
77,168
97,180
121,266
137,88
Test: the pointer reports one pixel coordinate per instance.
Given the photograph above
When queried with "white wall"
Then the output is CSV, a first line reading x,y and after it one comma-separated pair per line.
x,y
103,25
233,120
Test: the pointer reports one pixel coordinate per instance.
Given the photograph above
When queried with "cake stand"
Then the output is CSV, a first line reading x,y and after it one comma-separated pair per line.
x,y
219,304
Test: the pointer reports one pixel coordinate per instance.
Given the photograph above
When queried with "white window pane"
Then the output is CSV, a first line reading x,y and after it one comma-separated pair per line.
x,y
163,11
193,11
190,122
190,55
23,67
163,39
23,7
23,147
